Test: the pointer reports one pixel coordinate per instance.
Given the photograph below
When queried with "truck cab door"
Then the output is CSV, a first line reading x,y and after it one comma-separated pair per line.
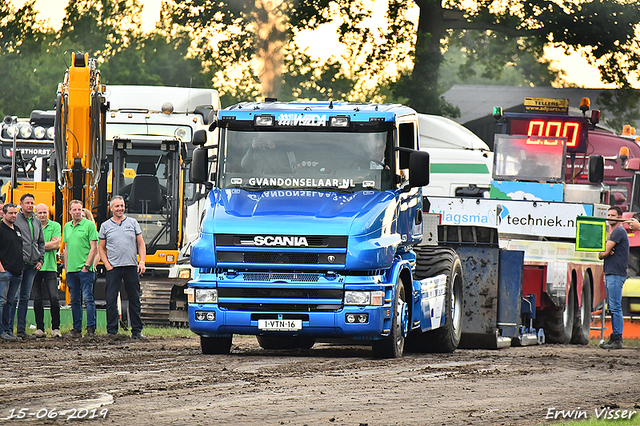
x,y
409,202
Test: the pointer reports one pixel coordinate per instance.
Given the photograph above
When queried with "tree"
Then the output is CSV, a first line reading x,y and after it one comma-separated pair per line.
x,y
33,57
100,27
25,66
606,29
622,105
249,46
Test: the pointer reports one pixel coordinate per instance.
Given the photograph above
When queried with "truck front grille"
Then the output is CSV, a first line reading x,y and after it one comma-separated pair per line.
x,y
281,276
263,307
243,250
269,298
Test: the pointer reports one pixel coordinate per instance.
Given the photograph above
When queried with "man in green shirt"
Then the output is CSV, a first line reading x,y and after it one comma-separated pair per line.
x,y
81,245
45,284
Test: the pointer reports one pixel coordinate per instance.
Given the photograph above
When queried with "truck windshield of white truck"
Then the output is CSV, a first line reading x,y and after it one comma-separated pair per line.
x,y
333,161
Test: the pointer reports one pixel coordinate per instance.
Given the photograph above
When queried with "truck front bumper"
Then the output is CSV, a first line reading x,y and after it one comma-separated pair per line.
x,y
344,322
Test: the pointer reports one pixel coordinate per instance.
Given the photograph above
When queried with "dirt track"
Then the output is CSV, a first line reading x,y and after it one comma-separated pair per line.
x,y
168,381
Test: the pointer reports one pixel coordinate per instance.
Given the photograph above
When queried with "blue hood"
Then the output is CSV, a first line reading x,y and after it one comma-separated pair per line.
x,y
298,212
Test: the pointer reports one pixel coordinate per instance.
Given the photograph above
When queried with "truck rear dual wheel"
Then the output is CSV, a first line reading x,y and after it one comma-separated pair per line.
x,y
430,262
558,323
215,345
582,318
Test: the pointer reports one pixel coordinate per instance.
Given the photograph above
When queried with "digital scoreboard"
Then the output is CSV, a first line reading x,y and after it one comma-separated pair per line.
x,y
574,129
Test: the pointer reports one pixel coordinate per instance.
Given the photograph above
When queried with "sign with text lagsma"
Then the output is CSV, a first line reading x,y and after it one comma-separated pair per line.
x,y
591,233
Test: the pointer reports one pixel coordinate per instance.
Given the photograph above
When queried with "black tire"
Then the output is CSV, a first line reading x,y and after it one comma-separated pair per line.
x,y
392,346
285,342
558,323
432,261
215,345
582,317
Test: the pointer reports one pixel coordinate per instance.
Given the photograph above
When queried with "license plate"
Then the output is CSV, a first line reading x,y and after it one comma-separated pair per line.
x,y
280,325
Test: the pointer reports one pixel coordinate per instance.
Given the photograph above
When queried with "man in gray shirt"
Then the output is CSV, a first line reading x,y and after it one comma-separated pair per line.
x,y
120,243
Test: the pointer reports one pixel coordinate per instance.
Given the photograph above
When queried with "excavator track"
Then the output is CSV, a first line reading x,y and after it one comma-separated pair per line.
x,y
155,300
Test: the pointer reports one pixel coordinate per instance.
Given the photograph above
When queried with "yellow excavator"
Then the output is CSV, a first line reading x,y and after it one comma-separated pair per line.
x,y
79,141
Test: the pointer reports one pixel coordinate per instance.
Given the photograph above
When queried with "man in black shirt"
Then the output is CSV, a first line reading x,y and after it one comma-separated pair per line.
x,y
11,265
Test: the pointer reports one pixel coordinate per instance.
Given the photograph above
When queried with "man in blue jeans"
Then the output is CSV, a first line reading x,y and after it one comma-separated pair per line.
x,y
11,265
33,256
616,257
81,245
120,245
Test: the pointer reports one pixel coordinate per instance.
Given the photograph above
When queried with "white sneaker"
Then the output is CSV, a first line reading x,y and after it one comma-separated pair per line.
x,y
39,333
56,333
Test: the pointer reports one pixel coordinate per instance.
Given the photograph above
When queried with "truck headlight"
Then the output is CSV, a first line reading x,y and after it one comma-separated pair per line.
x,y
357,297
206,295
25,132
39,132
364,298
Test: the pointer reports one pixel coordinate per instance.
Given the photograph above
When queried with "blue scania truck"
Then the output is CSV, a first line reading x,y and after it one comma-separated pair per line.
x,y
313,231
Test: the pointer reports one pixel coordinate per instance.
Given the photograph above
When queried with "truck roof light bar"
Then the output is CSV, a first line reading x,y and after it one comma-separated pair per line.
x,y
25,132
339,121
628,130
264,120
39,132
585,104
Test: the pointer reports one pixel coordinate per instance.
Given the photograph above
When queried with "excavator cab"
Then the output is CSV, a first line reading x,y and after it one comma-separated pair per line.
x,y
151,193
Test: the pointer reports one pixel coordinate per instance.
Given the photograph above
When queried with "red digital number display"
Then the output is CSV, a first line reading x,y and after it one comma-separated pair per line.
x,y
572,130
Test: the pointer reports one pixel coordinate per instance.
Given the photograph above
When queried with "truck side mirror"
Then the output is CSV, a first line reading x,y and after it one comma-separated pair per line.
x,y
596,168
419,169
199,165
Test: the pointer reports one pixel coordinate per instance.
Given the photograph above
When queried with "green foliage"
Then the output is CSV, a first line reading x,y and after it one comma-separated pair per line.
x,y
488,58
305,78
246,49
27,62
622,106
33,57
157,61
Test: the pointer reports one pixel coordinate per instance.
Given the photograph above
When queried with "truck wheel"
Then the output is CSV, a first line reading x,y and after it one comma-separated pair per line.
x,y
285,342
392,346
582,318
558,324
432,261
215,345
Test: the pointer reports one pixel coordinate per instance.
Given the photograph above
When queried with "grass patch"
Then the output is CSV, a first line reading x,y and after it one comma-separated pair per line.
x,y
626,343
598,422
147,331
168,332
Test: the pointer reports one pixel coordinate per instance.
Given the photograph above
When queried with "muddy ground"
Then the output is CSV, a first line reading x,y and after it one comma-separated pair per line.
x,y
167,381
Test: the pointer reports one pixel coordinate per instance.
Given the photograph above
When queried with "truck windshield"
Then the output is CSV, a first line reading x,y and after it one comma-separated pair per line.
x,y
305,160
529,158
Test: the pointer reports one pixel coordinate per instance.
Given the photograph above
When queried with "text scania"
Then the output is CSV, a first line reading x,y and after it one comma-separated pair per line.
x,y
316,120
271,241
553,222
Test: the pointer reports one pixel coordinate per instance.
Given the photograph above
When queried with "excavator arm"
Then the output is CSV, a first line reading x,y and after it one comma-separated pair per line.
x,y
80,125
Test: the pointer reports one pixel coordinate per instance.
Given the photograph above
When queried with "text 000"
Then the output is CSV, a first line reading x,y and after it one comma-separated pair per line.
x,y
280,325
